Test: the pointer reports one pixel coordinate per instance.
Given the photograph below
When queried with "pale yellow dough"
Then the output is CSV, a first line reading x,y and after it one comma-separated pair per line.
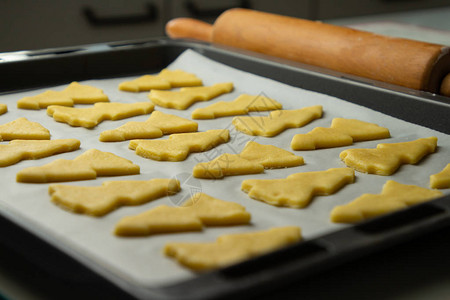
x,y
100,200
394,196
18,150
3,108
441,180
343,132
91,117
200,210
187,96
75,93
23,129
387,158
242,105
277,121
178,146
165,80
231,248
89,165
253,159
156,126
297,190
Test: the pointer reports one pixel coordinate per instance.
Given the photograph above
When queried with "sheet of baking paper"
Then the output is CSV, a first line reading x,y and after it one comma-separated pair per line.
x,y
140,260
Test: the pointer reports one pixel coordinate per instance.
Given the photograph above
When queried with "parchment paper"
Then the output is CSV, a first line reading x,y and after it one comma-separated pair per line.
x,y
140,260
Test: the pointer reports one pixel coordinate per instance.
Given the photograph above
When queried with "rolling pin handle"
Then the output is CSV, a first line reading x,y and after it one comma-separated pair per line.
x,y
189,28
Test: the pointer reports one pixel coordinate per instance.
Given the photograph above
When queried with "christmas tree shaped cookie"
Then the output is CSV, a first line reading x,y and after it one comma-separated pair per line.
x,y
18,150
100,200
200,210
242,105
178,146
343,132
89,165
23,129
231,248
253,159
91,117
75,93
187,96
441,180
165,80
387,158
156,126
277,121
297,190
394,196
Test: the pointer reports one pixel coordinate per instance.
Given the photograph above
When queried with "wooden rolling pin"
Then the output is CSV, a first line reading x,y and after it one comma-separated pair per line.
x,y
413,64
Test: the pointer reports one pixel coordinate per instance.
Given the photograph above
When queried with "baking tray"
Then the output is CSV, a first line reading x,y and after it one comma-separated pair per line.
x,y
37,69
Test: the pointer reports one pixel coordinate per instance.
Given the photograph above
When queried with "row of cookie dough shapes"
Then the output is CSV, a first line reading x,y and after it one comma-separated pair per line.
x,y
89,165
166,79
277,121
100,200
178,146
254,158
155,126
242,105
92,116
75,93
3,108
385,159
200,210
23,129
441,180
231,248
343,132
18,150
297,190
393,197
187,96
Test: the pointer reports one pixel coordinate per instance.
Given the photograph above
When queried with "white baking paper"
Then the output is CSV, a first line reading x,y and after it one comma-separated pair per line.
x,y
140,260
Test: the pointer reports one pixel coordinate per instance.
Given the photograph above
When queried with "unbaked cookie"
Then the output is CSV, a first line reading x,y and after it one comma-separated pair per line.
x,y
3,108
231,248
100,200
185,97
394,196
89,165
297,190
277,121
23,129
75,93
387,158
200,210
156,126
441,180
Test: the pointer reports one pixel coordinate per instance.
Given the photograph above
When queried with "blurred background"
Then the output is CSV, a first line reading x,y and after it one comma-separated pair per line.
x,y
39,24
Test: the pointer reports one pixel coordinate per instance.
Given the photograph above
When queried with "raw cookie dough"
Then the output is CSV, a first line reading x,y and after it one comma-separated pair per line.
x,y
18,150
185,97
165,80
3,108
23,129
387,158
200,210
75,93
91,117
277,121
178,146
231,248
297,190
441,180
88,165
253,159
156,126
343,132
242,105
394,196
100,200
